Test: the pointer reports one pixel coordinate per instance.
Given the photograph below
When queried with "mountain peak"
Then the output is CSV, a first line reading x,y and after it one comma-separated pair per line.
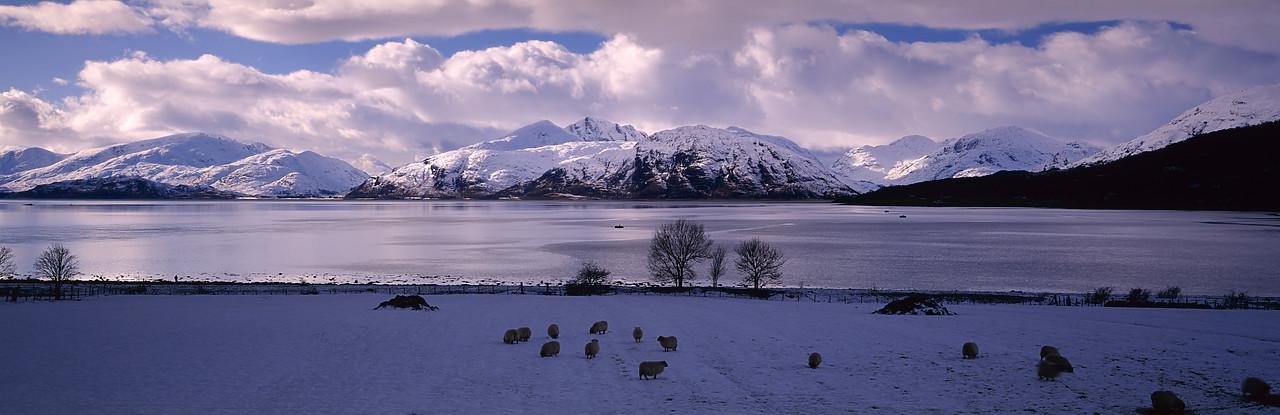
x,y
596,129
1252,106
538,134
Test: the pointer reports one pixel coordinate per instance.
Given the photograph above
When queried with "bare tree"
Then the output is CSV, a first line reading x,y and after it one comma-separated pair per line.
x,y
591,273
675,247
717,265
760,263
6,262
58,265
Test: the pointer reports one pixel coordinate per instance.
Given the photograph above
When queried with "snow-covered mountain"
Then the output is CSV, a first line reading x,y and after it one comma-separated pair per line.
x,y
872,163
1251,106
14,159
371,165
915,159
612,161
196,159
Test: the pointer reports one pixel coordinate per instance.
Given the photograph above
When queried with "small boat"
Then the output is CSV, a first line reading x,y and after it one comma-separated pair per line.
x,y
618,226
902,217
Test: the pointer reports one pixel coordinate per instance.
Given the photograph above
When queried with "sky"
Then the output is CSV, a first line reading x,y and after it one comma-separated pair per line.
x,y
401,80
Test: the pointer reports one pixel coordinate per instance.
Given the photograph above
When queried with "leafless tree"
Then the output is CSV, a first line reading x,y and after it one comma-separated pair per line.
x,y
675,247
759,263
590,274
58,265
6,262
717,265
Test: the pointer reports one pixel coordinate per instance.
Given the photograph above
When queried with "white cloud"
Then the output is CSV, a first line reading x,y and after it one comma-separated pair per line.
x,y
93,17
696,24
819,87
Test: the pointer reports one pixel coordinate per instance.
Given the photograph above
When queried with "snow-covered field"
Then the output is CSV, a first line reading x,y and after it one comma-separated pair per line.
x,y
334,354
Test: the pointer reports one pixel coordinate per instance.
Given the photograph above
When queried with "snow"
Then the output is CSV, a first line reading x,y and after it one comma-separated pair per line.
x,y
1251,106
595,129
334,354
872,163
16,159
371,165
986,152
198,159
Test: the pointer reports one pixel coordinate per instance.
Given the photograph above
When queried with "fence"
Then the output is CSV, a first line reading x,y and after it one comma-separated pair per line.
x,y
30,290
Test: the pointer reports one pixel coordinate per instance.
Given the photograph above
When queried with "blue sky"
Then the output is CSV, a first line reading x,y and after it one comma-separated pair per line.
x,y
401,81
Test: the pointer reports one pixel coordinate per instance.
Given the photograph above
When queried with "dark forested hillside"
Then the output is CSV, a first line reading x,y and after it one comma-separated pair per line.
x,y
1236,169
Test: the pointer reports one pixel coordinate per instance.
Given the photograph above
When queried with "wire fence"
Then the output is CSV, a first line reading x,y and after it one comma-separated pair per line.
x,y
13,291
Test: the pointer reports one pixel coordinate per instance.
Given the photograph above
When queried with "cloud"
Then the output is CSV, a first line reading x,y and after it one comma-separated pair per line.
x,y
94,17
696,24
823,88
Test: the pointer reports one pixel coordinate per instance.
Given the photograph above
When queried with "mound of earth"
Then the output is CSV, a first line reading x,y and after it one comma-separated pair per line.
x,y
415,302
915,305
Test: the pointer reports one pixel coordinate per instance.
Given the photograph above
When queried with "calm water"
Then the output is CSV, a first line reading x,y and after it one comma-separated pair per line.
x,y
827,245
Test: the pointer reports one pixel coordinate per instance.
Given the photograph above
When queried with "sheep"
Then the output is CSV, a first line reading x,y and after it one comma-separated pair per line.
x,y
1254,387
1163,402
524,333
593,348
815,359
600,327
969,350
1046,370
553,331
1062,363
551,348
637,334
1048,350
651,369
668,343
510,337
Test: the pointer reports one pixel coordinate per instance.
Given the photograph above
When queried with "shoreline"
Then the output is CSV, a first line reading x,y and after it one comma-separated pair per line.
x,y
39,290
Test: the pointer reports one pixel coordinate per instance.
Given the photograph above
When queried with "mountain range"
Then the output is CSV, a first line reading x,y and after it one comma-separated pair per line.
x,y
593,158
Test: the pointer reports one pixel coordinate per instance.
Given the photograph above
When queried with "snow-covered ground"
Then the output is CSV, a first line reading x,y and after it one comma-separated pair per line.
x,y
334,354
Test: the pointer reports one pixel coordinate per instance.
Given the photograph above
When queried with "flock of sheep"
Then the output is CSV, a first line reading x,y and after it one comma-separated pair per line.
x,y
1051,363
552,348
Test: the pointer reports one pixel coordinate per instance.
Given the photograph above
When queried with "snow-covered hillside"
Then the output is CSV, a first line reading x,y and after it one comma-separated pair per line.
x,y
986,152
14,160
1252,106
197,159
371,165
597,158
872,163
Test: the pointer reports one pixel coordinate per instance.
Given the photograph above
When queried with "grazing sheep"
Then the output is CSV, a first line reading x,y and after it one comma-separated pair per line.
x,y
524,333
1164,402
668,342
1255,387
1046,370
510,337
553,331
593,349
652,369
637,334
969,350
1062,363
600,327
815,359
551,348
1048,350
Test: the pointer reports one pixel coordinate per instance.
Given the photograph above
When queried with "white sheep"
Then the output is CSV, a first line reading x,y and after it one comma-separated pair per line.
x,y
551,348
600,327
1255,387
969,350
815,359
510,337
553,331
652,369
1163,402
593,348
637,334
1048,350
668,342
525,333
